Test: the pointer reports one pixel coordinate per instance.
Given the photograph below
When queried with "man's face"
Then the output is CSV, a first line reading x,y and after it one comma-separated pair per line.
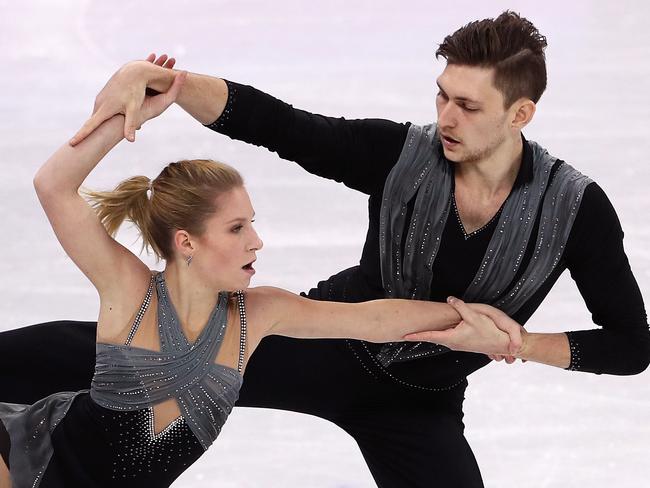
x,y
471,118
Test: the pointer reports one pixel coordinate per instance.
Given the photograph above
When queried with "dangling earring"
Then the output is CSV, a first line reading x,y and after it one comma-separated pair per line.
x,y
188,260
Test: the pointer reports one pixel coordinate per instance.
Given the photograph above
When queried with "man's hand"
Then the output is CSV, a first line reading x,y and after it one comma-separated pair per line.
x,y
502,321
163,61
477,331
153,106
125,93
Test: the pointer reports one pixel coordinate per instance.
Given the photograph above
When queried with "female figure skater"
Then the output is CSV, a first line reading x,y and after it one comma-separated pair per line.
x,y
169,366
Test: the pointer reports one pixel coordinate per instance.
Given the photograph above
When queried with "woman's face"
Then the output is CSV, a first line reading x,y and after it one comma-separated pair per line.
x,y
224,254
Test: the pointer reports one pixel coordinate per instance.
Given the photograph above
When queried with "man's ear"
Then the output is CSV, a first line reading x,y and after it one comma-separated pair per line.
x,y
523,111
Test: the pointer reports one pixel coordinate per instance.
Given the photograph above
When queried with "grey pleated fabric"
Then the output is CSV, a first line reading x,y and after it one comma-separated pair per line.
x,y
423,173
131,378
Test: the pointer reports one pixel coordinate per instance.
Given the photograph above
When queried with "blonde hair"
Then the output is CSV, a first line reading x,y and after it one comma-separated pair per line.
x,y
182,196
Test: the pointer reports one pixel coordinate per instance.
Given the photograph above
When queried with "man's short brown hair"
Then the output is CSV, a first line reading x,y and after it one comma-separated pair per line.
x,y
511,45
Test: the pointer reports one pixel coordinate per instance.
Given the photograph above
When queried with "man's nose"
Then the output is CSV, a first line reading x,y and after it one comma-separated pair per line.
x,y
447,115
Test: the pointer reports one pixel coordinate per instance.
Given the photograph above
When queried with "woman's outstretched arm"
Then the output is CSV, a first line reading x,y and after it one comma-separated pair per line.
x,y
285,313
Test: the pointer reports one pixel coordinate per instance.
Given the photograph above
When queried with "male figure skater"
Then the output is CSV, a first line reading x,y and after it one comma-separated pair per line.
x,y
465,207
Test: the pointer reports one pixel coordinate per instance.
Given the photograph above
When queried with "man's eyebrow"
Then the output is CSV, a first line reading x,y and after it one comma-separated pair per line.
x,y
460,99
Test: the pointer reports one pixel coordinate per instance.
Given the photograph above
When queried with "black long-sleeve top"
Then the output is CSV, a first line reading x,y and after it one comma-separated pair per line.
x,y
361,153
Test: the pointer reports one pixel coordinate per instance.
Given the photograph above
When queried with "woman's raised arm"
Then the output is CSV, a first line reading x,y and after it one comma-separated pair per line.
x,y
75,223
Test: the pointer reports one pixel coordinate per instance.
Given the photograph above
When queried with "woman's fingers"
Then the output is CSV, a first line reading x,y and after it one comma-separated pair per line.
x,y
89,126
465,312
131,123
435,336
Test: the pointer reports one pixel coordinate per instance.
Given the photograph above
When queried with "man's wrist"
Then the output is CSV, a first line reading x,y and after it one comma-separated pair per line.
x,y
549,348
523,352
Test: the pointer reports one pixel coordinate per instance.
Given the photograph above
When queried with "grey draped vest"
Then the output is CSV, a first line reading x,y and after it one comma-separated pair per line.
x,y
424,175
131,378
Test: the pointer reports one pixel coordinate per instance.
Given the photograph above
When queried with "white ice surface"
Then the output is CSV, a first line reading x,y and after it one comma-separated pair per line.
x,y
529,425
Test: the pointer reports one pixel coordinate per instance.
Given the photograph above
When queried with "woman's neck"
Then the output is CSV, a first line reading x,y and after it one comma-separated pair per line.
x,y
193,299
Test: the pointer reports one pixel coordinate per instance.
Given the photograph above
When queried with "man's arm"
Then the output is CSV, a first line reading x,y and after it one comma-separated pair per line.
x,y
203,97
598,264
358,153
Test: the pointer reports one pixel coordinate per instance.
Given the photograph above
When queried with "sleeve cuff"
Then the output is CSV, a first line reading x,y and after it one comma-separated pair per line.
x,y
221,122
574,347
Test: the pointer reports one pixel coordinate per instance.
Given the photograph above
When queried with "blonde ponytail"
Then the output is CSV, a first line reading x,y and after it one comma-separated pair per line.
x,y
183,196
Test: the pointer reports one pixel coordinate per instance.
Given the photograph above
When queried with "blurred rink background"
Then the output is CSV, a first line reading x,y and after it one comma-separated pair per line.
x,y
529,425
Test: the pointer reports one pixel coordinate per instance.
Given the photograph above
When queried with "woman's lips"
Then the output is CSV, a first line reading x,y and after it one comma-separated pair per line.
x,y
248,268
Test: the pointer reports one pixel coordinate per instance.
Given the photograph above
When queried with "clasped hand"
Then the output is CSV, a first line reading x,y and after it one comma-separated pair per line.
x,y
126,93
482,329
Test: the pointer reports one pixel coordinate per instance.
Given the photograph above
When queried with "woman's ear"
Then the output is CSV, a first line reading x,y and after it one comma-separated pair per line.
x,y
183,243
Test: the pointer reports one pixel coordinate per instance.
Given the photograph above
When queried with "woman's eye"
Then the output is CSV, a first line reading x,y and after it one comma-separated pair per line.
x,y
237,228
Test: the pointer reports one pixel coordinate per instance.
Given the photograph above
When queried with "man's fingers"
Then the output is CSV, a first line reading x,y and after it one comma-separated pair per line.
x,y
161,60
501,357
492,312
435,336
503,322
513,329
89,126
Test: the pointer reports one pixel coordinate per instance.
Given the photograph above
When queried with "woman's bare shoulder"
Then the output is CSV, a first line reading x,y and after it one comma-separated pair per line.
x,y
266,305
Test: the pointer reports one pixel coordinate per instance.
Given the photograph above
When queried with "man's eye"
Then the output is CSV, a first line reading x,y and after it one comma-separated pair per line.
x,y
468,109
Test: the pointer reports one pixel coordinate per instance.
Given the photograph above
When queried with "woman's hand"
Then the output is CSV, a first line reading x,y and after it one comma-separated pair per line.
x,y
483,329
125,93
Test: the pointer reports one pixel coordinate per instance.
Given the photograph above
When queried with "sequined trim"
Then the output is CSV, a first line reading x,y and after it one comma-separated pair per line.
x,y
480,229
241,305
141,312
363,365
402,382
138,450
574,365
153,437
219,124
